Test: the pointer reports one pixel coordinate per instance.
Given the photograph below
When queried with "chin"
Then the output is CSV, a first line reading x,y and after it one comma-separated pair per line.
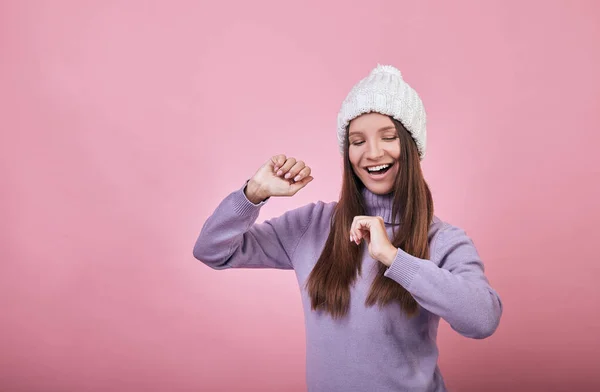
x,y
378,190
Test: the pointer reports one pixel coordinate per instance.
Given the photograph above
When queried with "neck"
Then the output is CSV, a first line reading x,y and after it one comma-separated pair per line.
x,y
379,205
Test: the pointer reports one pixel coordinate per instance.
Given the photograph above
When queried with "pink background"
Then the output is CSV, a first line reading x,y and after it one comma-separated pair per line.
x,y
124,124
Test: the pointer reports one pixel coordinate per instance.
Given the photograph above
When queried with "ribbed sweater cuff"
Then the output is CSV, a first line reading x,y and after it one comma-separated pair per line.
x,y
403,268
243,206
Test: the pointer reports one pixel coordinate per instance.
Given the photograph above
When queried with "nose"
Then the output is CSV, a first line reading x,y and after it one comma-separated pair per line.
x,y
374,151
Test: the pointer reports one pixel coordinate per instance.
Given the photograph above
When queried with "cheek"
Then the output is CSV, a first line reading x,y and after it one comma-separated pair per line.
x,y
354,158
395,152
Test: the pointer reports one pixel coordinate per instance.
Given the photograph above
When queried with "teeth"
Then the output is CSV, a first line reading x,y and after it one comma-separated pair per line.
x,y
377,168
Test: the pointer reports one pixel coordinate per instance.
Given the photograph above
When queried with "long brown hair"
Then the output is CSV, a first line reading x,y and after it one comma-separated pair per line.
x,y
336,270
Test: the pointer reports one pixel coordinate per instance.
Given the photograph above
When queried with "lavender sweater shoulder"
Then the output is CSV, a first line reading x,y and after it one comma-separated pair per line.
x,y
372,348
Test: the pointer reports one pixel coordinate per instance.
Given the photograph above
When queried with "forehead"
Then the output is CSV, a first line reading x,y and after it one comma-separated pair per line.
x,y
370,123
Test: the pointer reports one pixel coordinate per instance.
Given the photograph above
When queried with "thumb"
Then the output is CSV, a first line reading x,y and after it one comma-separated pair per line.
x,y
296,186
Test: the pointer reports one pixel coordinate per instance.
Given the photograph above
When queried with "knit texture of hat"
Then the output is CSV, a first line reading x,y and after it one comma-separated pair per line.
x,y
384,91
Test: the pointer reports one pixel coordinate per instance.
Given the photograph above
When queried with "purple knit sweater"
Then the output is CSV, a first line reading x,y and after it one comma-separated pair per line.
x,y
371,349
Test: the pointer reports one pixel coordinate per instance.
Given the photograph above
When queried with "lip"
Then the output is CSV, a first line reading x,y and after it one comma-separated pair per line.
x,y
379,177
379,164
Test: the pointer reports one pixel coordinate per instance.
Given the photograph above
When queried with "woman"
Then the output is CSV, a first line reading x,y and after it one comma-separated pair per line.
x,y
377,270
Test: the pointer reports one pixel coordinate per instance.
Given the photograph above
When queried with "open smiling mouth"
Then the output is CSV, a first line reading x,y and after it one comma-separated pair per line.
x,y
379,170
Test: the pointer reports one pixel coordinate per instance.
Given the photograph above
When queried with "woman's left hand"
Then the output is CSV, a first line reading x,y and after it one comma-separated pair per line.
x,y
372,229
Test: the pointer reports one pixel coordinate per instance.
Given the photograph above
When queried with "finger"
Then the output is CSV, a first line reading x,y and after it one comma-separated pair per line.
x,y
355,234
371,227
363,234
286,166
357,237
366,235
303,173
278,161
295,170
360,228
296,186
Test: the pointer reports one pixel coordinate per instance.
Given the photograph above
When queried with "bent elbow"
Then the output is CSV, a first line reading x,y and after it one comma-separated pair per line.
x,y
487,325
201,255
202,250
197,252
481,330
209,259
487,329
491,319
484,324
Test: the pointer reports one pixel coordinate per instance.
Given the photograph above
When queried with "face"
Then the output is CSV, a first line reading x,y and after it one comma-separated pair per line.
x,y
374,151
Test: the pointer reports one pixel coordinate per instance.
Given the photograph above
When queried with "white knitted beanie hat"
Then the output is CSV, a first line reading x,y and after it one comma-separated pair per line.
x,y
384,91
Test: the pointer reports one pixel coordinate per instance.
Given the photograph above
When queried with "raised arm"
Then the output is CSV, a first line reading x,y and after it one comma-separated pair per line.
x,y
230,238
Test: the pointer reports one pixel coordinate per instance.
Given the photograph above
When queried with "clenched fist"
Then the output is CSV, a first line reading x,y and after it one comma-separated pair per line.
x,y
279,176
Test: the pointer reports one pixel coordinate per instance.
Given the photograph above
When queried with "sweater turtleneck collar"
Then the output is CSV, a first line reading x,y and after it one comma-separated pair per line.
x,y
379,205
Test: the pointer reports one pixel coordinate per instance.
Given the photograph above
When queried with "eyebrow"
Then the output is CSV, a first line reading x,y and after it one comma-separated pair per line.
x,y
386,128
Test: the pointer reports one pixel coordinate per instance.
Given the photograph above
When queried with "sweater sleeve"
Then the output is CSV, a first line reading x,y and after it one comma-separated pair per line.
x,y
457,289
230,238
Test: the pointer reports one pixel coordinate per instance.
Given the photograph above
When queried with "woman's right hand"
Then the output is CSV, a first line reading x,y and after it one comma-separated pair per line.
x,y
279,176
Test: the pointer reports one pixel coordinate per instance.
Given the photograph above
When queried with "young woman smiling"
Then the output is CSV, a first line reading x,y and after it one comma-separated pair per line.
x,y
377,269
